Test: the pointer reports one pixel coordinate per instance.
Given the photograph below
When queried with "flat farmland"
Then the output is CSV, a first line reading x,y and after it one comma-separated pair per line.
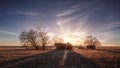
x,y
105,56
13,53
102,57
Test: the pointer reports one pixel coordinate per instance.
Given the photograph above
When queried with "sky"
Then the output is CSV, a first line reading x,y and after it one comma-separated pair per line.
x,y
72,20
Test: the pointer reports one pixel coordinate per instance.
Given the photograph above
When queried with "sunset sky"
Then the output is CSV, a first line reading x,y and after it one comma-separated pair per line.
x,y
72,20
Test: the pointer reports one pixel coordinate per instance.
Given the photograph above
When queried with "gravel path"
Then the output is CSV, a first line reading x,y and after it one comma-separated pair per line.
x,y
54,59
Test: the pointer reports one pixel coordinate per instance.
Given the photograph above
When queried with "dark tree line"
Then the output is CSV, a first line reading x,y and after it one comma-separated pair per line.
x,y
34,38
64,46
39,37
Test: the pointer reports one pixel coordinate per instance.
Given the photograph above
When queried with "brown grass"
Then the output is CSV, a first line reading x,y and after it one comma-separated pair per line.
x,y
9,54
106,59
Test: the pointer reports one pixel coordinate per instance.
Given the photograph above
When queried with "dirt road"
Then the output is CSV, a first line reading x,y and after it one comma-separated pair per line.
x,y
51,59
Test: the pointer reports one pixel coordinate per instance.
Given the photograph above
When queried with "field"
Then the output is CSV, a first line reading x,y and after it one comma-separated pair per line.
x,y
102,57
7,53
106,57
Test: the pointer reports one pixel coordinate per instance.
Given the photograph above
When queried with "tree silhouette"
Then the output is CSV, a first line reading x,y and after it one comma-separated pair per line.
x,y
34,38
63,46
91,42
43,35
29,38
57,39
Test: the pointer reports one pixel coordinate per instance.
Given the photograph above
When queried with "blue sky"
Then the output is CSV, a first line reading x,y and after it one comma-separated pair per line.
x,y
70,19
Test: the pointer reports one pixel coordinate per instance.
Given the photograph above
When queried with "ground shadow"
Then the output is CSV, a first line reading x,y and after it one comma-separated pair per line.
x,y
75,60
51,59
43,60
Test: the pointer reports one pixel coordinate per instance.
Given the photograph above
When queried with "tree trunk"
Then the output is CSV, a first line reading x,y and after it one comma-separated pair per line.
x,y
36,47
43,47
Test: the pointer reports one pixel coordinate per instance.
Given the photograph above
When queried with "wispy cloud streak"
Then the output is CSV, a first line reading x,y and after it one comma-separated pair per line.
x,y
8,32
22,13
66,12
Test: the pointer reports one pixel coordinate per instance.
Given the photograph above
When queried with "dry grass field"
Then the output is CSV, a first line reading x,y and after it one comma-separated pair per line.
x,y
106,57
13,53
102,57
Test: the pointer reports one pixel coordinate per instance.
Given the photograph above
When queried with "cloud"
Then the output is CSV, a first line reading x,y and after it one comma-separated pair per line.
x,y
66,2
21,12
80,5
8,32
76,6
88,22
112,25
105,32
66,12
73,9
28,13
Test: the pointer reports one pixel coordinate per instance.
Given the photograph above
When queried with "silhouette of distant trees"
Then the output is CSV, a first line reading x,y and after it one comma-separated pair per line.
x,y
60,45
91,42
64,46
69,46
34,38
29,38
57,39
39,37
43,35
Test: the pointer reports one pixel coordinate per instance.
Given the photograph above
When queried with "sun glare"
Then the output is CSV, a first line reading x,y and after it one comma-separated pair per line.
x,y
67,40
71,40
70,34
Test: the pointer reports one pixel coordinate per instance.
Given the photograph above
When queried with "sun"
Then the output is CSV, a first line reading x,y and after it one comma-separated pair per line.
x,y
67,40
72,40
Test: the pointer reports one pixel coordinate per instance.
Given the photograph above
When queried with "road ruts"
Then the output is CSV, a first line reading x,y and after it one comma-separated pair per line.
x,y
75,60
56,59
45,60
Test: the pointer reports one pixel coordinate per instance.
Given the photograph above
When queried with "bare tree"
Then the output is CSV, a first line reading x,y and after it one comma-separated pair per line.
x,y
57,39
29,38
43,35
91,42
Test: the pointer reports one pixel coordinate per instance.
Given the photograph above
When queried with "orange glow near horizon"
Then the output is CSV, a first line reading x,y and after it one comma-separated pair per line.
x,y
72,40
69,33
